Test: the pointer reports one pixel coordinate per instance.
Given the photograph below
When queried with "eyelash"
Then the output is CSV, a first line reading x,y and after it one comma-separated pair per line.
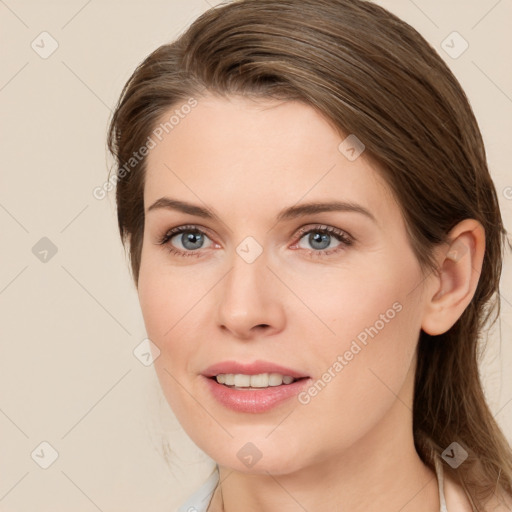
x,y
343,237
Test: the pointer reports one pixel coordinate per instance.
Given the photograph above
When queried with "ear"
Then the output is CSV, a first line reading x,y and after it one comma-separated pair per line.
x,y
453,287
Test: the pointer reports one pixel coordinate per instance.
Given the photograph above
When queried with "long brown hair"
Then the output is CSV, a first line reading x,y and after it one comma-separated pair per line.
x,y
372,75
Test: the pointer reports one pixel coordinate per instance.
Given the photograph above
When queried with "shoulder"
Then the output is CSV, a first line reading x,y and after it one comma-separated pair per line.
x,y
455,496
457,500
499,504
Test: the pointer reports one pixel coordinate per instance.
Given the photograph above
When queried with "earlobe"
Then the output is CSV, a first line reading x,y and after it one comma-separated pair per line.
x,y
454,285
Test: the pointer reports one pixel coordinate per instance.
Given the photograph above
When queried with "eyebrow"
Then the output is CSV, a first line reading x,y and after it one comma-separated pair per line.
x,y
286,214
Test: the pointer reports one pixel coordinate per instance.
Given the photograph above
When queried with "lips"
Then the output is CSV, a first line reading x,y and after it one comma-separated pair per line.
x,y
253,400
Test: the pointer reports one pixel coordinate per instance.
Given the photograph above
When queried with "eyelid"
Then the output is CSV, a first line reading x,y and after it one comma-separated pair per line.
x,y
323,227
170,233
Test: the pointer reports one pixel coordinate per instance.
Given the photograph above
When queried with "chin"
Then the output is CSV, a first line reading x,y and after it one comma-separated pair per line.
x,y
259,457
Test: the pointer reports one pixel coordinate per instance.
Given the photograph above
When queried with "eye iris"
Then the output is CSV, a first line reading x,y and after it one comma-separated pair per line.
x,y
322,238
196,239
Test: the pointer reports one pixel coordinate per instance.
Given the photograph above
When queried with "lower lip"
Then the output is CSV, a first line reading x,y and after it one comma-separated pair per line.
x,y
254,400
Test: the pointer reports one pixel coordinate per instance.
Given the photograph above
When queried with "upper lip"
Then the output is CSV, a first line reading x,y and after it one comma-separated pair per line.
x,y
254,368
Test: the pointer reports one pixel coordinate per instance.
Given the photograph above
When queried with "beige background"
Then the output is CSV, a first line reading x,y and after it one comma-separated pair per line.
x,y
68,375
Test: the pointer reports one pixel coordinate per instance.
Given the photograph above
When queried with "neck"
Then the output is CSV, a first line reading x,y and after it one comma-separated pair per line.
x,y
382,471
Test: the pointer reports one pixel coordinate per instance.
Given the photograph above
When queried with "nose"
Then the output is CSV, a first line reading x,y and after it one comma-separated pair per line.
x,y
250,300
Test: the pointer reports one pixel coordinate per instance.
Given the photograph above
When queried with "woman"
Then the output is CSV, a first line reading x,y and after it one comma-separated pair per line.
x,y
317,244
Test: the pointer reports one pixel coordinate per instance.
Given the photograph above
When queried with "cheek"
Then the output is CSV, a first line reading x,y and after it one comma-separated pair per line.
x,y
163,314
172,306
376,325
166,294
154,298
374,322
164,318
353,300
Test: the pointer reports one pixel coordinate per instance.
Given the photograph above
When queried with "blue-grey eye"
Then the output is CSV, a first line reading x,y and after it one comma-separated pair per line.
x,y
317,239
192,240
189,240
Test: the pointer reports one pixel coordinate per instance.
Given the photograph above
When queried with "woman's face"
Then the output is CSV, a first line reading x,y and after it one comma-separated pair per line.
x,y
294,261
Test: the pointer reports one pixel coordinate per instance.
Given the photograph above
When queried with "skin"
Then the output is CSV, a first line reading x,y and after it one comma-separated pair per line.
x,y
246,160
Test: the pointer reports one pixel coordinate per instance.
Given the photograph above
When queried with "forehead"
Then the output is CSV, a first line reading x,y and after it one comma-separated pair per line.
x,y
248,152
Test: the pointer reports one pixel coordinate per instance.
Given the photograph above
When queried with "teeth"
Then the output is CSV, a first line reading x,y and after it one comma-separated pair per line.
x,y
242,381
259,381
263,380
274,379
